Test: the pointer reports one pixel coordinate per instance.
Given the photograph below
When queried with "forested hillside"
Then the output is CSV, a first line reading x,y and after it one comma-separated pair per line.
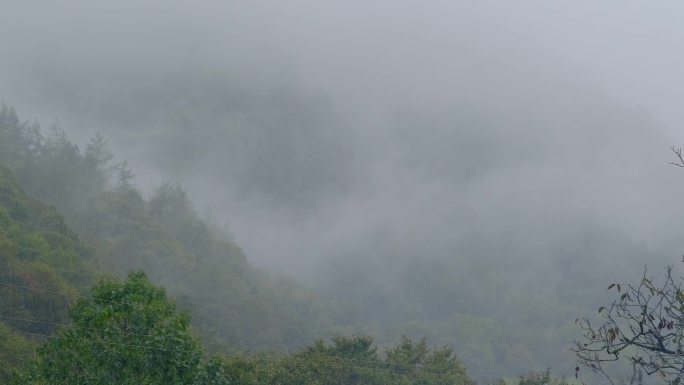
x,y
503,312
51,322
37,250
110,228
119,230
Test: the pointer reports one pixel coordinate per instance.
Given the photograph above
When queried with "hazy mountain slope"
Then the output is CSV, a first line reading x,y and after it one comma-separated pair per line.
x,y
233,303
471,251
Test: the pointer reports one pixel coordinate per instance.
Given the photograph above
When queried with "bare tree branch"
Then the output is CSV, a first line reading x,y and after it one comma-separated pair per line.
x,y
644,325
678,153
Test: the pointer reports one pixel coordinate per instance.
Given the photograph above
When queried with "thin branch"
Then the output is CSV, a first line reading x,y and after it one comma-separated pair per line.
x,y
678,154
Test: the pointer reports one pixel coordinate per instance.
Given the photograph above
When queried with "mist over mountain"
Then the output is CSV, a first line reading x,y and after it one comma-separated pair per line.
x,y
426,168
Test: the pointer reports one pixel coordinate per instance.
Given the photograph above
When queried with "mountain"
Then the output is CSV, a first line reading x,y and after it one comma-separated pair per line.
x,y
234,305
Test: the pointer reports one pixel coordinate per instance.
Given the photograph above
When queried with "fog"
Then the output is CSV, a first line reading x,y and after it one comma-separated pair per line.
x,y
345,141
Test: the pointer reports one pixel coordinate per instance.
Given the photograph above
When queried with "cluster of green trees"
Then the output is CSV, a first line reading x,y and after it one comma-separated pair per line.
x,y
129,332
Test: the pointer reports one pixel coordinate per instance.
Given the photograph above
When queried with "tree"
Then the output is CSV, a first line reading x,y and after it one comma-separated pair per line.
x,y
124,176
347,361
644,325
541,378
355,360
413,363
97,151
128,333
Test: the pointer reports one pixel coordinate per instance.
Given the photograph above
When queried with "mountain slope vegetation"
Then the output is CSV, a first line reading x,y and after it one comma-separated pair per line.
x,y
119,230
110,228
130,332
37,249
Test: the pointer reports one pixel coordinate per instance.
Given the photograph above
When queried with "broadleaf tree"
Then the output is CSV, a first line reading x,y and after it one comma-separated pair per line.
x,y
128,333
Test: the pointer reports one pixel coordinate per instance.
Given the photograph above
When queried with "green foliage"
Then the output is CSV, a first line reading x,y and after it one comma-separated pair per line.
x,y
15,351
131,333
347,361
243,369
128,333
37,250
438,366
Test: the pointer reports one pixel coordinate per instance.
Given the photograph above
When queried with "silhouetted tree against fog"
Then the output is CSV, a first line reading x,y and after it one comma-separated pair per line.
x,y
644,326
